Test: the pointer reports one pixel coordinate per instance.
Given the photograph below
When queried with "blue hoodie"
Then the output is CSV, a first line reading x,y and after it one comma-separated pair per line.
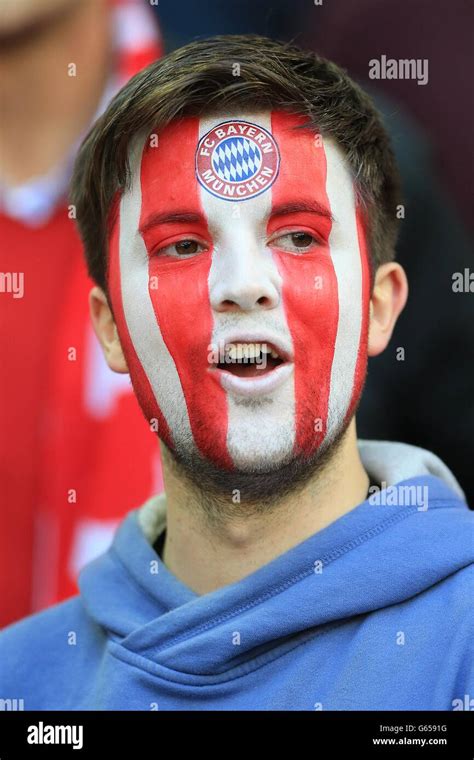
x,y
370,613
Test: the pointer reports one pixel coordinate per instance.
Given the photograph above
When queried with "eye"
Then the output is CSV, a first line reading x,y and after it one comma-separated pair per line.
x,y
182,249
295,242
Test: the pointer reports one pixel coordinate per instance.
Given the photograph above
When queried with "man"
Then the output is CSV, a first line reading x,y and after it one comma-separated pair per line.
x,y
237,202
65,420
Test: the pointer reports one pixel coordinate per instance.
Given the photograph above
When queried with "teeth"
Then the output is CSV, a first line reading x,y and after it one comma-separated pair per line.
x,y
239,351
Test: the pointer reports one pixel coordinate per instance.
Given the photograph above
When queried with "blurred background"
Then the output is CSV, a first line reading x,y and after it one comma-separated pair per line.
x,y
75,453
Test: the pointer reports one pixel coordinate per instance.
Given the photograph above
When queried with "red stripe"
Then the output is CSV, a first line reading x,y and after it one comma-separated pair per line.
x,y
312,313
181,301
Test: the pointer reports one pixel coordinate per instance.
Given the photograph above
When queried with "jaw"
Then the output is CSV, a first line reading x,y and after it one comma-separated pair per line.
x,y
246,491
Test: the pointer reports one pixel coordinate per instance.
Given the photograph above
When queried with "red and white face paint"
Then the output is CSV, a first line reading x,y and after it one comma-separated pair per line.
x,y
247,189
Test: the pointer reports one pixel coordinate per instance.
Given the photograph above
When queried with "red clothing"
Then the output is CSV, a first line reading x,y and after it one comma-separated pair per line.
x,y
75,451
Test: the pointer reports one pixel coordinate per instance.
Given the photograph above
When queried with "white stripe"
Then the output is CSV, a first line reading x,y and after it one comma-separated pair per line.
x,y
264,433
345,255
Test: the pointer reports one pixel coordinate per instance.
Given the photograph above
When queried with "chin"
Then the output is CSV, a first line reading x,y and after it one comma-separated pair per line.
x,y
262,441
259,450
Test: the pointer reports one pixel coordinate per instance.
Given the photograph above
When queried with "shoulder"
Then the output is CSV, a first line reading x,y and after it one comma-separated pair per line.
x,y
456,609
451,607
46,648
50,622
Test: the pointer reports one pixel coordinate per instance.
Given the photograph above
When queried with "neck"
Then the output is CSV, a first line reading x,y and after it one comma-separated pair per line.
x,y
205,559
44,108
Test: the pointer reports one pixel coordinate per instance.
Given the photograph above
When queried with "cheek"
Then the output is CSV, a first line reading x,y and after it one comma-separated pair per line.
x,y
180,299
183,312
310,298
141,384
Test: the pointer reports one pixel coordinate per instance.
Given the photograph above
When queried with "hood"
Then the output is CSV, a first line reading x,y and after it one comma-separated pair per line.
x,y
378,554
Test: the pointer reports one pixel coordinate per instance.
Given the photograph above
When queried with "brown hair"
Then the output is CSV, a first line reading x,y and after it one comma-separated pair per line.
x,y
199,78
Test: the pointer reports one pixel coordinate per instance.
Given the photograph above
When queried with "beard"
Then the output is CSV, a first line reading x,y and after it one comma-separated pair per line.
x,y
222,496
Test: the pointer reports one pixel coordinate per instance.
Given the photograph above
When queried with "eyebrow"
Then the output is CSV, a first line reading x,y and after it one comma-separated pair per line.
x,y
174,217
302,206
183,216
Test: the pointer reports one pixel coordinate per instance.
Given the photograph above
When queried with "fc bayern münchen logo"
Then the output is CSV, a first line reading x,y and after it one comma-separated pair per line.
x,y
237,160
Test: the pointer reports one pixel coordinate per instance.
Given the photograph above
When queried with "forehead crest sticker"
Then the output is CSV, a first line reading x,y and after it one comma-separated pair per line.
x,y
237,160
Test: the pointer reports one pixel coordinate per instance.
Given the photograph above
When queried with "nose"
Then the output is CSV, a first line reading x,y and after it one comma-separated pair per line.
x,y
243,278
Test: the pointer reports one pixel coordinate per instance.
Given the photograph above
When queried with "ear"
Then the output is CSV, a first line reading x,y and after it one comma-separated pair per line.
x,y
388,298
106,330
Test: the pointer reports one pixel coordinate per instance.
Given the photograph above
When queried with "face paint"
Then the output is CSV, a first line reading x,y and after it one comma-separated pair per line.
x,y
276,255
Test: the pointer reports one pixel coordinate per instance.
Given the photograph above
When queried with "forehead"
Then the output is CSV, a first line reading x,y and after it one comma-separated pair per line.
x,y
239,164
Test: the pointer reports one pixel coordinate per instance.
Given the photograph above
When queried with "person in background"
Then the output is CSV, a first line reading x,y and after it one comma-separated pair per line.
x,y
64,418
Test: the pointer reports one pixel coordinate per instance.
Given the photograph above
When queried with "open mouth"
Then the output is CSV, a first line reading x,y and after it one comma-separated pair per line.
x,y
251,368
250,359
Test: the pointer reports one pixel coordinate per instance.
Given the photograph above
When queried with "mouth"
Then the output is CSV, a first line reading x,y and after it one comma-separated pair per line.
x,y
250,359
250,368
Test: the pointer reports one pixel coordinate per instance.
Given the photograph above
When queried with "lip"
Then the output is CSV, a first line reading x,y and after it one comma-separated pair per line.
x,y
251,387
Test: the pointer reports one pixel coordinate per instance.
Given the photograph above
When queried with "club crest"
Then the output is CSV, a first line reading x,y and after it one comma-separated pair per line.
x,y
237,160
